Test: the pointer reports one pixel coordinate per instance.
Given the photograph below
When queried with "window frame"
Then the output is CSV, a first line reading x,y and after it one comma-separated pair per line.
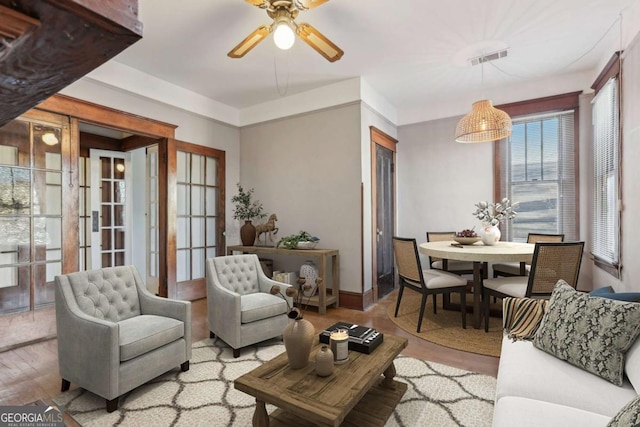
x,y
613,69
550,104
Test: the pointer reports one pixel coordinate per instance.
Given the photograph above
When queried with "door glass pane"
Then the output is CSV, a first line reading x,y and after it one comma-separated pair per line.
x,y
46,147
119,215
197,200
183,166
197,263
118,235
212,171
118,168
197,231
211,232
182,233
105,167
197,169
183,265
15,145
212,201
15,231
119,192
183,199
15,191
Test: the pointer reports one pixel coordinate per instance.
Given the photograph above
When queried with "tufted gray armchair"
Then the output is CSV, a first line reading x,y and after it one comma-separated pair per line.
x,y
114,335
241,309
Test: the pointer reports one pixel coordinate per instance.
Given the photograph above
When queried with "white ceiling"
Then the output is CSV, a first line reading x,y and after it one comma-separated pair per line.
x,y
411,52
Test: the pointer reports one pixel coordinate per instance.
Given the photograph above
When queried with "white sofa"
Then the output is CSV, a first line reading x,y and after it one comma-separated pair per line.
x,y
535,388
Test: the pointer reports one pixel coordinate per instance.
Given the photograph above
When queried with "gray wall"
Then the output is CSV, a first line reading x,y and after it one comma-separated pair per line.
x,y
307,170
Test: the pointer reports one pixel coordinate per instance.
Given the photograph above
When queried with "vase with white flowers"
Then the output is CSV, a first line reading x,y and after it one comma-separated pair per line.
x,y
491,215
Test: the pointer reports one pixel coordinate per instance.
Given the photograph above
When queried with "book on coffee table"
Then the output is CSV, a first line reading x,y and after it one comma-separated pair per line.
x,y
362,339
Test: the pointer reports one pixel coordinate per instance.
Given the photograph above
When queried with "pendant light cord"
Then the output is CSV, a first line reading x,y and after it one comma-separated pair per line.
x,y
281,92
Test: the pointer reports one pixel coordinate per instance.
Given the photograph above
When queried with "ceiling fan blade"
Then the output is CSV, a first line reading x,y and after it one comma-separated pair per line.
x,y
307,4
320,43
260,3
249,43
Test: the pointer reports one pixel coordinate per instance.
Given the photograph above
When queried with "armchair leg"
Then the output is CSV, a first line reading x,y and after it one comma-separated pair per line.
x,y
211,335
112,404
236,353
184,366
65,385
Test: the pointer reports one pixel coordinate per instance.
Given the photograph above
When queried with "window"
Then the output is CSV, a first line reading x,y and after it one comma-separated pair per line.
x,y
606,136
538,167
538,172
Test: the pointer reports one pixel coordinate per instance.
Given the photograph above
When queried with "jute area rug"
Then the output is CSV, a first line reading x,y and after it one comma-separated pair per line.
x,y
445,327
437,395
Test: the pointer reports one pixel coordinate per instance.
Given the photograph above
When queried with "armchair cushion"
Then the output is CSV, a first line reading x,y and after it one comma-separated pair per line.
x,y
109,294
260,306
141,334
237,273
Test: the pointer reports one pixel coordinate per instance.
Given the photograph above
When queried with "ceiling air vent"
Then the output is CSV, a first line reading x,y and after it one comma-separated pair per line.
x,y
488,57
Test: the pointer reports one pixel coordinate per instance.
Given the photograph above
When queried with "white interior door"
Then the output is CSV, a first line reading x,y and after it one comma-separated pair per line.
x,y
110,208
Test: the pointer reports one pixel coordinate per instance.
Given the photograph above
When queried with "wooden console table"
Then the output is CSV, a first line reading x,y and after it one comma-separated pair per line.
x,y
323,298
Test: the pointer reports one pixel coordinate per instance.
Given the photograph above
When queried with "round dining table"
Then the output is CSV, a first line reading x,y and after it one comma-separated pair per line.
x,y
479,253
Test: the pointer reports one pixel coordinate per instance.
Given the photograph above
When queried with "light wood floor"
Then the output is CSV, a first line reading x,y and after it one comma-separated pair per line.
x,y
30,372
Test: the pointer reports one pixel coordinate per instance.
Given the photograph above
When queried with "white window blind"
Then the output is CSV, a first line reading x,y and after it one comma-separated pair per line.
x,y
606,135
538,171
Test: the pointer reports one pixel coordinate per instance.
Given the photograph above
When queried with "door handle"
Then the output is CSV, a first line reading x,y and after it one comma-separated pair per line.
x,y
94,221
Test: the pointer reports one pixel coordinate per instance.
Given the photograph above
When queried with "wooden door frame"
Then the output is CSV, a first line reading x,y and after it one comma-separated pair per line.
x,y
147,131
378,137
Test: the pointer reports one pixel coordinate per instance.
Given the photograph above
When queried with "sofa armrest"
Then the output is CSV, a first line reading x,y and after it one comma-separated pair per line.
x,y
88,347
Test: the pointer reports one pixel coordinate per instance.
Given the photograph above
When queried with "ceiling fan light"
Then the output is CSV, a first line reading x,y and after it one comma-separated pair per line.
x,y
284,36
484,123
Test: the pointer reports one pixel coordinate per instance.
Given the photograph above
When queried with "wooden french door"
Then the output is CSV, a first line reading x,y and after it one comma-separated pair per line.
x,y
34,181
194,216
110,208
383,184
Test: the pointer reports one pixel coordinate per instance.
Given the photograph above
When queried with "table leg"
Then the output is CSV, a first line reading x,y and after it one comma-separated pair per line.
x,y
322,289
260,417
335,279
389,373
477,295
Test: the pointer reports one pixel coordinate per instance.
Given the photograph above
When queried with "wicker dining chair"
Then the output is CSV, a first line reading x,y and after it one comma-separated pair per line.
x,y
509,269
551,262
426,282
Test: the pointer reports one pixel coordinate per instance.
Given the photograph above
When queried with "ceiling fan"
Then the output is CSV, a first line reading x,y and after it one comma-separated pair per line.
x,y
284,13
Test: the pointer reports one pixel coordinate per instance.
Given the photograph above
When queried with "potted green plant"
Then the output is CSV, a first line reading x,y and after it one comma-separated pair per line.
x,y
246,209
302,240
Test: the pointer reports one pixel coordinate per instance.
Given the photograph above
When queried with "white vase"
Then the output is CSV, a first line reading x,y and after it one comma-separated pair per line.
x,y
490,234
309,271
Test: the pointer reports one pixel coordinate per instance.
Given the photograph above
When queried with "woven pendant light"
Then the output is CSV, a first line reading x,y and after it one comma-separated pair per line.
x,y
484,123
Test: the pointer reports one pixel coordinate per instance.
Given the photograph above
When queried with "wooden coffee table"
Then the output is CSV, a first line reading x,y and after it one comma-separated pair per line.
x,y
361,392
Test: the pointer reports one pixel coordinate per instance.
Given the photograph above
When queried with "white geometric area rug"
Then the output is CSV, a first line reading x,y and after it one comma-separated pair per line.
x,y
437,395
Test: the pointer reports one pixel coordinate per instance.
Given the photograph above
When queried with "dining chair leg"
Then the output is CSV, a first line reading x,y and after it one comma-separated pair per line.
x,y
485,309
463,307
400,291
422,307
435,303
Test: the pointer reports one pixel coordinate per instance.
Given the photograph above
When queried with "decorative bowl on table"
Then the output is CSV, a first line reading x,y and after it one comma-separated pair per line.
x,y
306,245
467,240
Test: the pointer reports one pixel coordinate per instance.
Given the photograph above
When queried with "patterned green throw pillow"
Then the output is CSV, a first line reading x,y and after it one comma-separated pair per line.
x,y
628,416
589,332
